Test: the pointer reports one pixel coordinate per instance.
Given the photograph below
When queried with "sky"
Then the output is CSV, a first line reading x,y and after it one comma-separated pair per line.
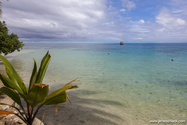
x,y
97,20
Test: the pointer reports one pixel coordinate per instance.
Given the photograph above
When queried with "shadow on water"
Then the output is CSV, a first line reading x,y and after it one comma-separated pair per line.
x,y
83,111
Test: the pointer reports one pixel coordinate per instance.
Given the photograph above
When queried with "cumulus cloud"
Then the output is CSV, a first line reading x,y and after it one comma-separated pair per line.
x,y
168,20
63,19
171,26
141,21
128,4
93,20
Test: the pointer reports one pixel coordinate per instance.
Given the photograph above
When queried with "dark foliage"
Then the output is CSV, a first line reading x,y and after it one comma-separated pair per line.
x,y
8,43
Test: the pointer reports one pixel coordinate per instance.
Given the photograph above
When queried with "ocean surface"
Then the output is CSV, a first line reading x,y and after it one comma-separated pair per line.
x,y
134,83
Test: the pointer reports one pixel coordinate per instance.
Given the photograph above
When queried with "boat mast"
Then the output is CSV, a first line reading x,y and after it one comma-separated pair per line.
x,y
122,36
122,43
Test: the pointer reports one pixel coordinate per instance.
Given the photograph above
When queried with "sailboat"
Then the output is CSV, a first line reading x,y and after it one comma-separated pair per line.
x,y
122,43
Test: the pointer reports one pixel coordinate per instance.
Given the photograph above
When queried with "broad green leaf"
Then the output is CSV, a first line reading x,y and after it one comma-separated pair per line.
x,y
56,97
9,83
6,113
12,71
60,98
12,94
33,76
61,90
45,56
37,94
5,83
12,77
43,67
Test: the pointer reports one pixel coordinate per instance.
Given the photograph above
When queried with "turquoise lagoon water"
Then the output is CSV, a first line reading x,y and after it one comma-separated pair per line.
x,y
133,84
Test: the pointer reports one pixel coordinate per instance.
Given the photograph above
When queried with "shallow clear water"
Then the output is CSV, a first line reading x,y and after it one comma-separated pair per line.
x,y
136,82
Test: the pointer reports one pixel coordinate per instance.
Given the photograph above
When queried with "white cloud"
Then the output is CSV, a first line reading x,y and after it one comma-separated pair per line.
x,y
168,20
138,38
178,2
128,4
180,6
180,21
63,19
93,20
123,10
170,26
141,21
139,26
176,11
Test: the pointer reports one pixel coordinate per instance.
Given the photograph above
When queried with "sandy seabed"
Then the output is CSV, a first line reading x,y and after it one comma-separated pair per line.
x,y
85,111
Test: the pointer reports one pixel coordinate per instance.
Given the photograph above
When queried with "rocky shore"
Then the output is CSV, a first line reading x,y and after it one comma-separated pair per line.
x,y
12,119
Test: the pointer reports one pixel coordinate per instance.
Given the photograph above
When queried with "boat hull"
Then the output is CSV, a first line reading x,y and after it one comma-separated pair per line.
x,y
121,43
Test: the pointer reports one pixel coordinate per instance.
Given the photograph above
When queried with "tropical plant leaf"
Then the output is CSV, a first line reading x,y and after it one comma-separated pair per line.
x,y
6,113
59,98
11,77
72,81
43,67
33,76
12,94
9,83
69,98
37,94
12,71
63,89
